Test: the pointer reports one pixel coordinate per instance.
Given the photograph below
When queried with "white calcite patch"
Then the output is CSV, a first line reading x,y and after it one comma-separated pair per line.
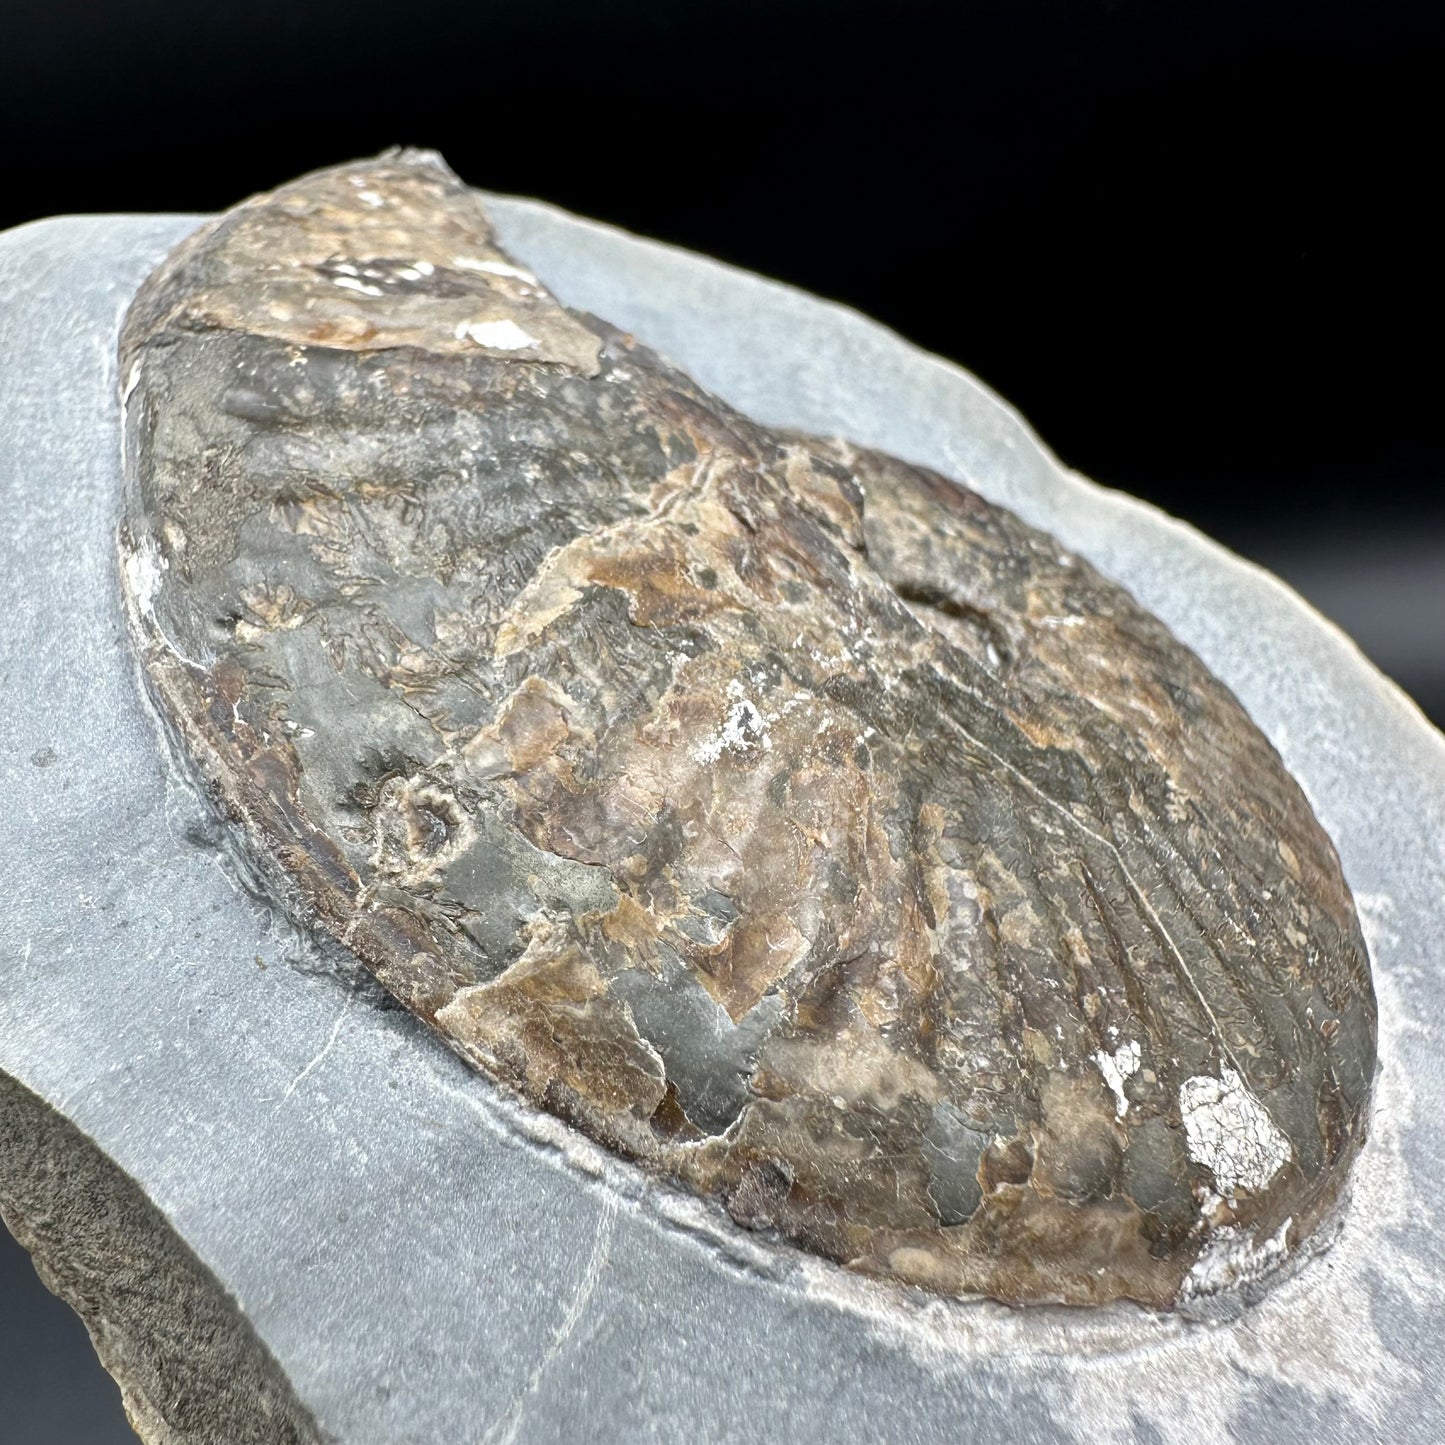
x,y
498,335
742,729
353,283
143,569
1232,1258
1230,1132
1122,1064
494,268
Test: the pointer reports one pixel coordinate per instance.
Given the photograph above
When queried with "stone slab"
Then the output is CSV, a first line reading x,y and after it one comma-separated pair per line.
x,y
428,1261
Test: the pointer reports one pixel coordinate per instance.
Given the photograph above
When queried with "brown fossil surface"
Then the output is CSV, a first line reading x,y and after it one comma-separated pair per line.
x,y
784,816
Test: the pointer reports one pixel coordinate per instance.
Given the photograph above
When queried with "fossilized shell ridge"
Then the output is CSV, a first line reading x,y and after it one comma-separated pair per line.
x,y
786,817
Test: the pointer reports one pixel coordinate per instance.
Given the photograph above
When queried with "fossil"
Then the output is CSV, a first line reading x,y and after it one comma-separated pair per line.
x,y
784,816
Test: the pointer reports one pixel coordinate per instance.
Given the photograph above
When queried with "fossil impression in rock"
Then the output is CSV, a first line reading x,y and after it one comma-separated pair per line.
x,y
784,816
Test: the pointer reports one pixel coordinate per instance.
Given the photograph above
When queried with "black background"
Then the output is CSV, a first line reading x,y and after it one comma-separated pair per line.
x,y
1193,242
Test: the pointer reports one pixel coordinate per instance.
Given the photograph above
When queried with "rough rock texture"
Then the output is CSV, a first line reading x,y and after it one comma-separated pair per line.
x,y
784,816
191,1368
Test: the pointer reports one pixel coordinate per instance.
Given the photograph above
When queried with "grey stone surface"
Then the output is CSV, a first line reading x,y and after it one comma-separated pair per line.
x,y
190,1366
429,1261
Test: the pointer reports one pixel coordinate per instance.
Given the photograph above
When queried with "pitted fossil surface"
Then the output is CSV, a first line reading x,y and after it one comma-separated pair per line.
x,y
784,816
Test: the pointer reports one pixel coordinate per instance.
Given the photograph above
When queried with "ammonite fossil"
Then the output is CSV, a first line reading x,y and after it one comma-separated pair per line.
x,y
782,815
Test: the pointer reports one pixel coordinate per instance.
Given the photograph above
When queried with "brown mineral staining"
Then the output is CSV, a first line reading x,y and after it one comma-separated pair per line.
x,y
786,817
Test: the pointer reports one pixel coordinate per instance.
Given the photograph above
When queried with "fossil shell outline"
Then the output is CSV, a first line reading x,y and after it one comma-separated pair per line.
x,y
786,817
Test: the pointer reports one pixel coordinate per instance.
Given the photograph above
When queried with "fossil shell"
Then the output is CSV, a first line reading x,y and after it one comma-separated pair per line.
x,y
786,817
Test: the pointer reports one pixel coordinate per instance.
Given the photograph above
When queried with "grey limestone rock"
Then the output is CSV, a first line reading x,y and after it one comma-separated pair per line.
x,y
424,1258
